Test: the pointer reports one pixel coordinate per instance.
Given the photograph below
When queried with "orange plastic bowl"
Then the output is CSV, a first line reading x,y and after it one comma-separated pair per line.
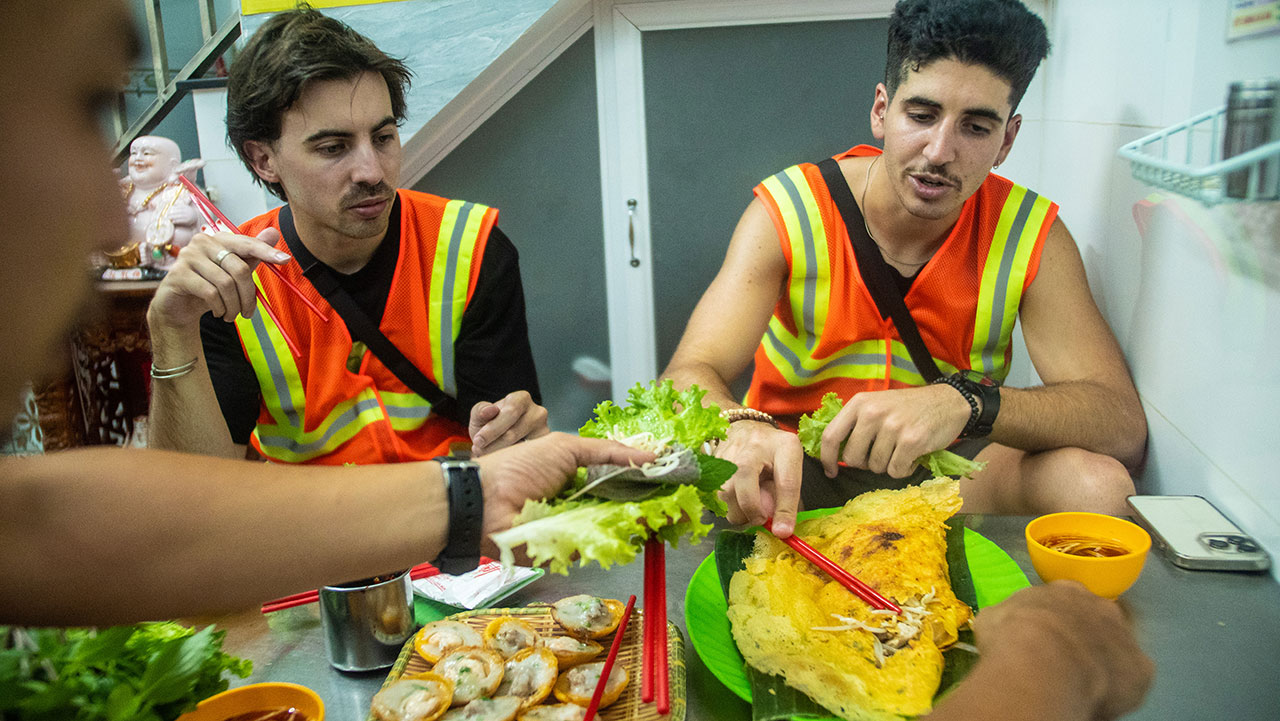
x,y
258,697
1108,576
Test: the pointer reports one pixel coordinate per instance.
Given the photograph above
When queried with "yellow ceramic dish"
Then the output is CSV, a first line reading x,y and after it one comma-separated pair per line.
x,y
258,697
1107,576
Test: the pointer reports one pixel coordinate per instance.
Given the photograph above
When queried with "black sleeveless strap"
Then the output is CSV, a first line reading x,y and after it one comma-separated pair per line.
x,y
875,272
359,324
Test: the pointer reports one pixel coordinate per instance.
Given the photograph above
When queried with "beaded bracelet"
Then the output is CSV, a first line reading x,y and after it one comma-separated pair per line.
x,y
734,415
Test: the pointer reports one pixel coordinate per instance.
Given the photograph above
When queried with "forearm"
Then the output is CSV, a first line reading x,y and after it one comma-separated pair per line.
x,y
152,534
704,375
185,415
1082,414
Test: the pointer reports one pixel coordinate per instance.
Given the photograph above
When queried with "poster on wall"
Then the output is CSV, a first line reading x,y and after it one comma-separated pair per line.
x,y
252,7
1247,18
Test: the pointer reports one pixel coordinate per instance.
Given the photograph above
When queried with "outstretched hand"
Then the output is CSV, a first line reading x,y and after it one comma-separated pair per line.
x,y
539,469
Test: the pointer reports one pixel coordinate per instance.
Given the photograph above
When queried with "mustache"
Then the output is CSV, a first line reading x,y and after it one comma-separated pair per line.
x,y
938,171
365,191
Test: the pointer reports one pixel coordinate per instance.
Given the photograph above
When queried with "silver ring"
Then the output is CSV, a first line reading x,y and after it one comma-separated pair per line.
x,y
221,256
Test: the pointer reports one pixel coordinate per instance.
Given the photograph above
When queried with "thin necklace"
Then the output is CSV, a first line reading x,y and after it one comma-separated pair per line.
x,y
867,184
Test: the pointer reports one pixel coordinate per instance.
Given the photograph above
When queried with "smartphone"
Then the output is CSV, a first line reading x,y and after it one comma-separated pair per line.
x,y
1194,534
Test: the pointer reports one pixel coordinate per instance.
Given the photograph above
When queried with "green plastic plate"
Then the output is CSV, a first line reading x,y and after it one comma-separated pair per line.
x,y
995,576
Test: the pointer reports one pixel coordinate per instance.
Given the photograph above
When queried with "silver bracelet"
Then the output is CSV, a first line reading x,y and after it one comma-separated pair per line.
x,y
175,372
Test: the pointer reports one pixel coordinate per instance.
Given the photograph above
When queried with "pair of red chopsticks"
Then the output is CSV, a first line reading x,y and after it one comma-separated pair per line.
x,y
300,599
609,660
843,577
655,683
218,221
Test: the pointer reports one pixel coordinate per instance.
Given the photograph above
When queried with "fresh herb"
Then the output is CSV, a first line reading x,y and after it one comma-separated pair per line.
x,y
607,522
145,672
940,462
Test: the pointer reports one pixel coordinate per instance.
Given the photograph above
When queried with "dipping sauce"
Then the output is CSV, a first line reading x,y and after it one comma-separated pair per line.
x,y
1077,545
282,713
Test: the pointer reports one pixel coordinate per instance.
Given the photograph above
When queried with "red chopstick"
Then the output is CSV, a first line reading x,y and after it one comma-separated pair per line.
x,y
214,216
301,599
608,662
646,672
661,689
843,577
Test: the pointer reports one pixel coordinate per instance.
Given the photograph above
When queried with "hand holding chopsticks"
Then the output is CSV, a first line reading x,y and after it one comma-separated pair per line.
x,y
843,577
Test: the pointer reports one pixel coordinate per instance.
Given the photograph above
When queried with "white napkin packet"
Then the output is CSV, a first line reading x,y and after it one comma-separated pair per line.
x,y
480,588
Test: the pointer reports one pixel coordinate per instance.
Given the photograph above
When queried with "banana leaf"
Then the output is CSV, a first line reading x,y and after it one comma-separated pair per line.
x,y
773,699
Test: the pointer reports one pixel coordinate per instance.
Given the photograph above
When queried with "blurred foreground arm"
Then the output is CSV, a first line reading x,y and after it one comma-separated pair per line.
x,y
1051,653
100,536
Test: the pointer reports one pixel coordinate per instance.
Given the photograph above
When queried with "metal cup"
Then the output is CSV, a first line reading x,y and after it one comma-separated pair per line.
x,y
366,623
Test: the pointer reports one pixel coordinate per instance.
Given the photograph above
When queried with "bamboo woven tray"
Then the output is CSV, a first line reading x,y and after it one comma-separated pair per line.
x,y
628,707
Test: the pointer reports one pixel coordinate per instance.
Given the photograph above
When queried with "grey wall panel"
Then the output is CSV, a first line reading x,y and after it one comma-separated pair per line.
x,y
726,108
538,161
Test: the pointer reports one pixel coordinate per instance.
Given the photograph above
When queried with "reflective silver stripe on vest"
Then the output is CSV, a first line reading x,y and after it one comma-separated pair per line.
x,y
448,383
278,381
810,257
1000,296
406,411
852,359
338,424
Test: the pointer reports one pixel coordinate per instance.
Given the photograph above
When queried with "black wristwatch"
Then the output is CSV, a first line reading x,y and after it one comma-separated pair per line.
x,y
466,515
984,400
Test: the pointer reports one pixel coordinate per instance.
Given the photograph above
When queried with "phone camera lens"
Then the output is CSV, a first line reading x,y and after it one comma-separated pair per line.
x,y
1247,547
1218,543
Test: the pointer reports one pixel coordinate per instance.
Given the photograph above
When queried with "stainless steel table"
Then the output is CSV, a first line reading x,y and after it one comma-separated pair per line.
x,y
1215,636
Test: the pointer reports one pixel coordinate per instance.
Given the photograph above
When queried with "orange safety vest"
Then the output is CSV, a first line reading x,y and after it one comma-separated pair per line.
x,y
826,333
315,409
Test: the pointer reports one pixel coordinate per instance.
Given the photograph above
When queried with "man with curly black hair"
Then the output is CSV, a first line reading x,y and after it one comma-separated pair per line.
x,y
966,252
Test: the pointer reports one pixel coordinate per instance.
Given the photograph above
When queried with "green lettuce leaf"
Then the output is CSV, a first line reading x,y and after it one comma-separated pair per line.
x,y
589,528
940,462
671,416
606,532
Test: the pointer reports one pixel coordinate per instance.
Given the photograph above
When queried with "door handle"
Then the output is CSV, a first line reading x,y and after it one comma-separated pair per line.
x,y
631,231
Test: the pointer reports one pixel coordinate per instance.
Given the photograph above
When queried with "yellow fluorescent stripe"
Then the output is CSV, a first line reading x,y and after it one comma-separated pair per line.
x,y
404,400
821,271
462,269
990,276
439,268
257,355
795,239
343,435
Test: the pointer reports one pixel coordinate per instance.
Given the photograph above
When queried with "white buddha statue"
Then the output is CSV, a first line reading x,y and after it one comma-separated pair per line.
x,y
163,213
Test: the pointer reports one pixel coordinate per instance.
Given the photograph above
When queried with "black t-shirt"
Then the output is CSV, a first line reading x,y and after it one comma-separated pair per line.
x,y
492,354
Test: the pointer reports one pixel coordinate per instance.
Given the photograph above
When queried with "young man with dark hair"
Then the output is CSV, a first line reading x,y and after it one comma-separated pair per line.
x,y
969,252
313,111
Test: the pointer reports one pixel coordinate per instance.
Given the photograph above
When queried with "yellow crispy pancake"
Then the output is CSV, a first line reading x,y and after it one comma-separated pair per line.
x,y
895,541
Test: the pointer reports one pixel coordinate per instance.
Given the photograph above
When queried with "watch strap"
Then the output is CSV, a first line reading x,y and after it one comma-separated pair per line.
x,y
466,516
984,403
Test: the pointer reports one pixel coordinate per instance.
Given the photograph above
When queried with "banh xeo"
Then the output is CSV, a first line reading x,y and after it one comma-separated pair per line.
x,y
940,462
607,512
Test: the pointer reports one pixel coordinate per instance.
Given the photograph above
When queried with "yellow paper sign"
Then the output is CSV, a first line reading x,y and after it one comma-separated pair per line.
x,y
252,7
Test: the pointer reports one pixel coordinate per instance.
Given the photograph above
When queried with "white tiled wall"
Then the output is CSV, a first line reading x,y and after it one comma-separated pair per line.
x,y
1195,300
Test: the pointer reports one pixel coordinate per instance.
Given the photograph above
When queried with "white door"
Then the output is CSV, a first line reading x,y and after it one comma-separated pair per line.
x,y
736,91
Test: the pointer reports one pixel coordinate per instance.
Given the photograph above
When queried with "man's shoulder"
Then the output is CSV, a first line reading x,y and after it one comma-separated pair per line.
x,y
419,199
269,219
